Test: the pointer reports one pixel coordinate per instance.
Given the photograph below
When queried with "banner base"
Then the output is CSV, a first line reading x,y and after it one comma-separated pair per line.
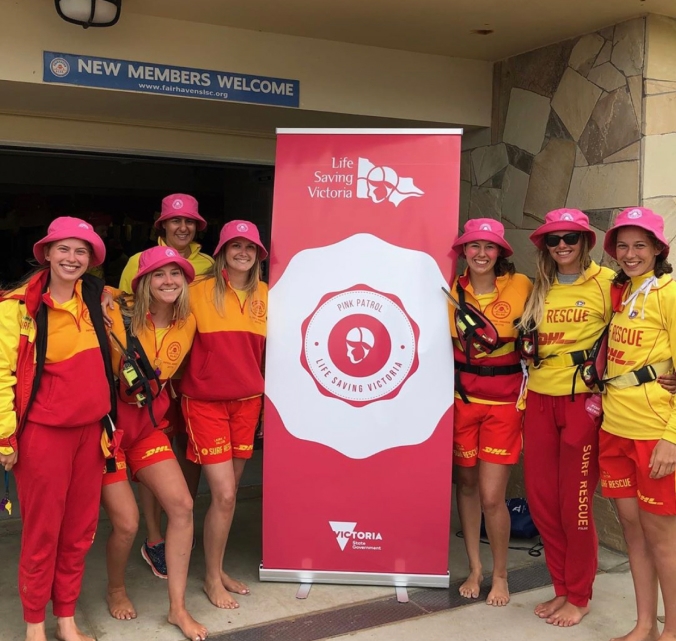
x,y
355,578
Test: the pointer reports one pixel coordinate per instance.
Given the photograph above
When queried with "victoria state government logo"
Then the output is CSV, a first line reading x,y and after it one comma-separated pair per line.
x,y
360,345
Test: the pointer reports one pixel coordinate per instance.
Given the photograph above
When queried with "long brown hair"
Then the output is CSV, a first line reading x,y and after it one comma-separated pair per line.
x,y
545,275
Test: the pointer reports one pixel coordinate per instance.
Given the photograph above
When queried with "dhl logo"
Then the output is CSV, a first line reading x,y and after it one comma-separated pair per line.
x,y
554,338
617,356
497,452
649,499
155,450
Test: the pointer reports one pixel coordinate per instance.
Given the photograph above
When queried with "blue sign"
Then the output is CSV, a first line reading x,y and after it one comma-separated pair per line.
x,y
127,75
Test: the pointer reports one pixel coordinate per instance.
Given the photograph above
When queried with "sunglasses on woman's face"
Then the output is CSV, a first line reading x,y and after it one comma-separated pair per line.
x,y
552,240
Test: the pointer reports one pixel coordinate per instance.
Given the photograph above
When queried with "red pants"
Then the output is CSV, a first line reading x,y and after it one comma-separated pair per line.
x,y
58,479
561,472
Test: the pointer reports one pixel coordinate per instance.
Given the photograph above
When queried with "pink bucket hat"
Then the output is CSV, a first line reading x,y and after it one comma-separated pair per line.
x,y
241,229
563,220
487,229
636,217
68,227
180,205
156,257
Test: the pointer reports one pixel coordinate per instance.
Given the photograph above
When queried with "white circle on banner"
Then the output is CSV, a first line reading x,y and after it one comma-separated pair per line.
x,y
60,67
368,369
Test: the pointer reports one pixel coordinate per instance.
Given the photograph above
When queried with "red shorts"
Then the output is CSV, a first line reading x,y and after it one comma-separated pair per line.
x,y
173,422
145,452
220,430
491,433
625,474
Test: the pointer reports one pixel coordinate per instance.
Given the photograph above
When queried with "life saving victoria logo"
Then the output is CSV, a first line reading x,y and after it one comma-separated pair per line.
x,y
361,178
360,345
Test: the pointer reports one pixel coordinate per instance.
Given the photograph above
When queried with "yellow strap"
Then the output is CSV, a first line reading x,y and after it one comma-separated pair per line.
x,y
629,379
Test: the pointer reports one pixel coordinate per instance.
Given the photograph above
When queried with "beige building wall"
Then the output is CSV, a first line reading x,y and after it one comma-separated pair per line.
x,y
335,78
659,121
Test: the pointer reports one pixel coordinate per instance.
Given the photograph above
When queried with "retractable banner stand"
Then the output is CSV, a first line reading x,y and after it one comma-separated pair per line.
x,y
359,367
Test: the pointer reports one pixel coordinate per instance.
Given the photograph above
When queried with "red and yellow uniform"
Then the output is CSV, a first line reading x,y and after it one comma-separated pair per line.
x,y
561,437
166,348
202,263
489,426
223,383
636,418
58,472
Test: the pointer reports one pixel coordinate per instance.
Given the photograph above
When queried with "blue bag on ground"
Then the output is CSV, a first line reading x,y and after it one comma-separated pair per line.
x,y
521,522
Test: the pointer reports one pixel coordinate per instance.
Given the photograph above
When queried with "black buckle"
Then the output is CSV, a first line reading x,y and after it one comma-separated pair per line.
x,y
485,370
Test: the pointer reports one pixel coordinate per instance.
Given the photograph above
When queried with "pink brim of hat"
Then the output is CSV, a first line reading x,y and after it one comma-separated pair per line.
x,y
488,236
201,223
538,236
185,265
610,240
87,235
262,252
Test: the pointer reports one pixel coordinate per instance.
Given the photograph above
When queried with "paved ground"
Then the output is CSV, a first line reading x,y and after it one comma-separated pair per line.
x,y
612,614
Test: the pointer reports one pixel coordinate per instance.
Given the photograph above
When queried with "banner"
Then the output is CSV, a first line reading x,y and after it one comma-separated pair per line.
x,y
359,364
188,82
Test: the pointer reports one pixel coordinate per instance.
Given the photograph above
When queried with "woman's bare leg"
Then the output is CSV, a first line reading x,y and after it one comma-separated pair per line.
x,y
469,509
120,505
166,482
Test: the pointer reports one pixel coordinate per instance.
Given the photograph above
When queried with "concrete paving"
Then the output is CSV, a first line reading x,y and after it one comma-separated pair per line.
x,y
612,614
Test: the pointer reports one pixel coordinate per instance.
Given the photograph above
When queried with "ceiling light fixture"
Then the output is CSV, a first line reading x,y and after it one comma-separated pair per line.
x,y
89,13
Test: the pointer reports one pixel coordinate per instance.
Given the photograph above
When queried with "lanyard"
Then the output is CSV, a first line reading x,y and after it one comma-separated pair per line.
x,y
6,504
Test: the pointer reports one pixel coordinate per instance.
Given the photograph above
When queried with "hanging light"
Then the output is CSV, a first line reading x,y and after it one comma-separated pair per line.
x,y
89,13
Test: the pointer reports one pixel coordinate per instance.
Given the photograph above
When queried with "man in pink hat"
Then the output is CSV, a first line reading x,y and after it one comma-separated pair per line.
x,y
638,436
177,224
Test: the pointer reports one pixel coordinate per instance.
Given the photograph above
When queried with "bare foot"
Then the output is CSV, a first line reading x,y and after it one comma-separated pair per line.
x,y
219,596
119,605
36,632
499,594
547,608
470,588
233,585
568,615
640,634
66,630
192,630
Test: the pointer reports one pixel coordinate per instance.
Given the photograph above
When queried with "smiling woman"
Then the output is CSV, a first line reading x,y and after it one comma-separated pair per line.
x,y
53,341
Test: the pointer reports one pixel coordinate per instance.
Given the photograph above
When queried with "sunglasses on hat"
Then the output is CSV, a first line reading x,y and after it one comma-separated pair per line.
x,y
573,238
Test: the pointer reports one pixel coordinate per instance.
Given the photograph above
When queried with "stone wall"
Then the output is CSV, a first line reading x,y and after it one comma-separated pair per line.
x,y
659,121
575,125
566,132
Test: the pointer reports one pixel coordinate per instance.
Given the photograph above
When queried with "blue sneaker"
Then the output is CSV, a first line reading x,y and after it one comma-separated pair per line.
x,y
154,557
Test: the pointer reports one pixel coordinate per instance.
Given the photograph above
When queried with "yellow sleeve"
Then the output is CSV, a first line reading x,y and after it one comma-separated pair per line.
x,y
670,428
10,327
130,270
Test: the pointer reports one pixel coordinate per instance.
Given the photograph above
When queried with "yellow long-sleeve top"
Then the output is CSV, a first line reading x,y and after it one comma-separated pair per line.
x,y
502,308
227,356
642,336
74,389
201,262
575,316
